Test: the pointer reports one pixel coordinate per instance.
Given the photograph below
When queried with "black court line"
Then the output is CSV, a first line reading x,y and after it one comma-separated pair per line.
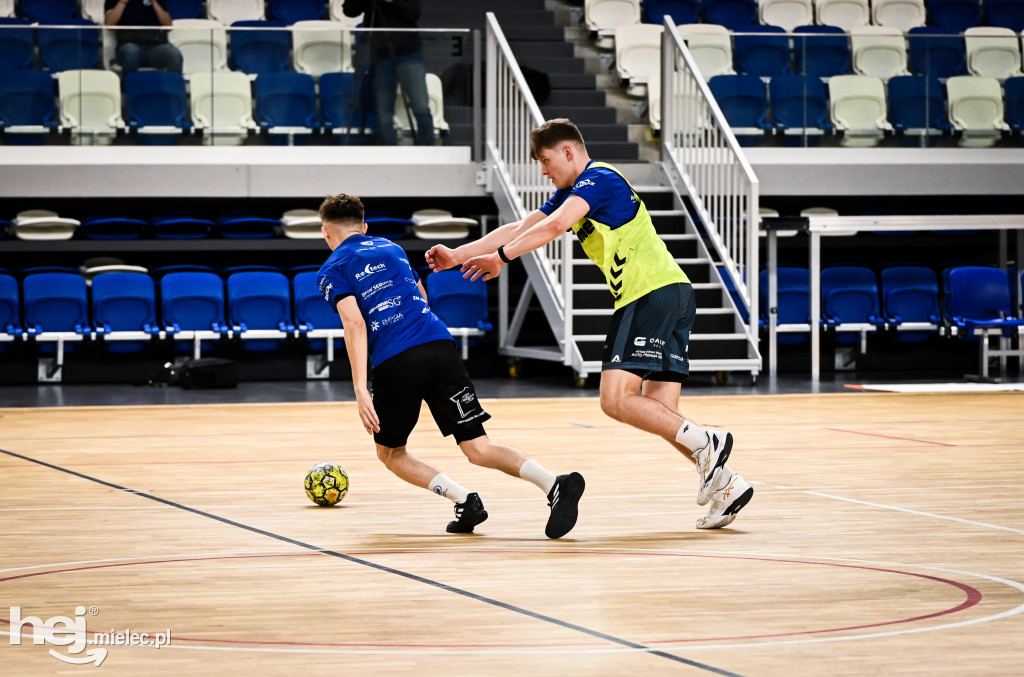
x,y
381,567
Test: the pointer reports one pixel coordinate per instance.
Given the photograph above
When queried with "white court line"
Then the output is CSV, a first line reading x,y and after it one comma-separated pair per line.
x,y
303,504
916,512
682,647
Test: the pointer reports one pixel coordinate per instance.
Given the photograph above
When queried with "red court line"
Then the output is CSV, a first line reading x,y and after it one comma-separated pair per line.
x,y
973,597
892,437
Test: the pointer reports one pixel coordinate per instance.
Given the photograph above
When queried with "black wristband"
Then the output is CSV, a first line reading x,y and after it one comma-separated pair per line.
x,y
501,254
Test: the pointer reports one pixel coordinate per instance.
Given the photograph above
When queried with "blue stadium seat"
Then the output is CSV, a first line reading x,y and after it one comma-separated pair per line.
x,y
27,106
315,318
910,302
65,49
821,51
793,295
17,45
681,11
184,9
48,11
935,53
799,103
850,301
260,309
1005,13
1013,91
461,305
388,227
157,106
239,224
260,51
56,310
192,308
342,115
730,13
111,226
10,310
744,102
979,306
286,104
761,50
290,11
174,225
124,310
917,103
953,15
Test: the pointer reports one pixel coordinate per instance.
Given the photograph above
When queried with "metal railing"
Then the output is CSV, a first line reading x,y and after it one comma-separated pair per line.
x,y
514,177
701,155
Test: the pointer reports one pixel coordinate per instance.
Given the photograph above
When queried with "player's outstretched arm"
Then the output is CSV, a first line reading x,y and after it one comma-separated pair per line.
x,y
355,343
489,265
440,257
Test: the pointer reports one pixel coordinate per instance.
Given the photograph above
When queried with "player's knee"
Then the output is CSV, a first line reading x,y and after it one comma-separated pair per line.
x,y
611,406
387,455
477,450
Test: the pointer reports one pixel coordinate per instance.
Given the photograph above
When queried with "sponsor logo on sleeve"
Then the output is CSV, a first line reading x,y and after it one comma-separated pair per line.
x,y
584,182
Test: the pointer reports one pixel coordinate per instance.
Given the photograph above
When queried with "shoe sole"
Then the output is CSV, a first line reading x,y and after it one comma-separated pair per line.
x,y
730,513
711,483
566,520
455,528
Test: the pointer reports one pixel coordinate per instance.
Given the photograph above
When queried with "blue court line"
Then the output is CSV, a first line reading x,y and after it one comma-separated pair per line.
x,y
584,425
386,569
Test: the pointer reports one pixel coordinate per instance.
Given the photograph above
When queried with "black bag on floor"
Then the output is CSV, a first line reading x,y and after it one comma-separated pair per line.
x,y
208,372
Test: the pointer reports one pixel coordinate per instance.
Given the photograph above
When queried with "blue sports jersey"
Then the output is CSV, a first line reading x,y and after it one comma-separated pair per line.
x,y
378,274
609,196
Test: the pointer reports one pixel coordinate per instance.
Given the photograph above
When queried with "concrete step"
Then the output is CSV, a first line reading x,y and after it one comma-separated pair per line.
x,y
581,115
534,48
572,81
572,97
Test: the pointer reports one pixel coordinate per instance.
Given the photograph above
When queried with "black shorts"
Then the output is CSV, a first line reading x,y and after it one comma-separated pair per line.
x,y
650,337
433,373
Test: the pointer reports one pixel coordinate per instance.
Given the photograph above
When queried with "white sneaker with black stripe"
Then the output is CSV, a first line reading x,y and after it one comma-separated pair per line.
x,y
710,461
726,502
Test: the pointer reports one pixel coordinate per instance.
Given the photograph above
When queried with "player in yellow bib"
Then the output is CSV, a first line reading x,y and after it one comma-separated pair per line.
x,y
645,355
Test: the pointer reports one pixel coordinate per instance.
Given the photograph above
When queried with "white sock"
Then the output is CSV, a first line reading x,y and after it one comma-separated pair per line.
x,y
692,436
442,485
531,471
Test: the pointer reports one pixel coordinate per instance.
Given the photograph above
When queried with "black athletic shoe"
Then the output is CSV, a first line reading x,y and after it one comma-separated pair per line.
x,y
564,499
467,515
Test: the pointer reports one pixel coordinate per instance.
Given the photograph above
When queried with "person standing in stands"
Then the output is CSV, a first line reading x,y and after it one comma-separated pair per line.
x,y
413,359
396,57
137,48
646,352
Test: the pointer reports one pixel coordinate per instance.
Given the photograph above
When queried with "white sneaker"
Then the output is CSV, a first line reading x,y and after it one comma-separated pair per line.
x,y
710,460
726,502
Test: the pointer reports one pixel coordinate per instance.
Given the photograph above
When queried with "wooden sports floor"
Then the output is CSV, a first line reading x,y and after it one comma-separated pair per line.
x,y
886,537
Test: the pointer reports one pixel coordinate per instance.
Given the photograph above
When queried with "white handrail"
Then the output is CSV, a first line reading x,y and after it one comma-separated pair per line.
x,y
699,145
512,112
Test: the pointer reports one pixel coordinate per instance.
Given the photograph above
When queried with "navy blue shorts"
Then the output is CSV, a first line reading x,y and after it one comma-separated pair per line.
x,y
650,337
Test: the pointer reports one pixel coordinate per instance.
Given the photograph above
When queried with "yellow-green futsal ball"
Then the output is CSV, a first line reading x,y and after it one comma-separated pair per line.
x,y
326,483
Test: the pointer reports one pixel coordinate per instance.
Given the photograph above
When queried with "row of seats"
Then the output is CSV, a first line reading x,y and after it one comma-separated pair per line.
x,y
865,106
128,310
41,224
908,301
162,105
602,17
314,47
224,11
821,51
825,51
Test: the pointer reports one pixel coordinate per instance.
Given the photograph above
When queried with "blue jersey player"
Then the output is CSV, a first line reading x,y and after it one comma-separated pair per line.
x,y
413,359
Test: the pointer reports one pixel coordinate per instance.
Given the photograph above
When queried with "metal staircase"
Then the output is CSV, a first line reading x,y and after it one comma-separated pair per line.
x,y
709,226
